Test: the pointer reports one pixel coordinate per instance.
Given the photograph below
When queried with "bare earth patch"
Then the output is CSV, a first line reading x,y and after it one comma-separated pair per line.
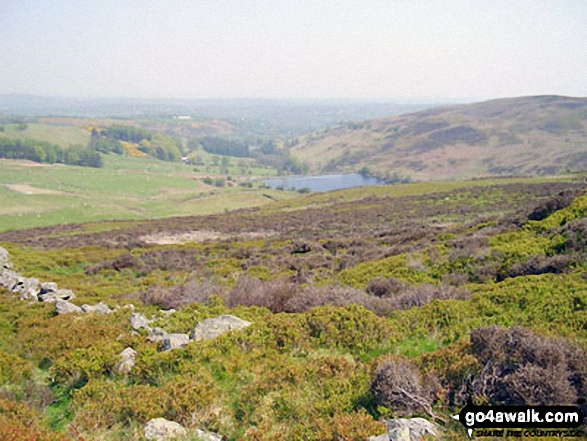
x,y
28,189
199,236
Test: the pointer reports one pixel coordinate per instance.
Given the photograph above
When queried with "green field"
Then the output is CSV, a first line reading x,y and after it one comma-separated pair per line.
x,y
63,136
125,188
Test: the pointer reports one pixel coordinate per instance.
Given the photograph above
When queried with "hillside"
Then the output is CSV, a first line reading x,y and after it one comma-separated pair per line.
x,y
443,290
34,195
515,136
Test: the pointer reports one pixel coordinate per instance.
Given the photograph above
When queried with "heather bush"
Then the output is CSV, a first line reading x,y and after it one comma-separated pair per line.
x,y
398,386
180,295
546,208
520,367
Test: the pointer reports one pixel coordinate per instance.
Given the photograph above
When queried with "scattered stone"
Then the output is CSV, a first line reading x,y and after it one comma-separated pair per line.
x,y
48,287
8,278
156,334
160,429
204,435
127,361
27,287
65,307
174,341
213,327
60,294
138,321
411,429
5,259
100,308
166,312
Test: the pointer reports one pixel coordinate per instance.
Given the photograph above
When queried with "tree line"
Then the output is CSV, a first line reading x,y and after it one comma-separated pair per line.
x,y
44,152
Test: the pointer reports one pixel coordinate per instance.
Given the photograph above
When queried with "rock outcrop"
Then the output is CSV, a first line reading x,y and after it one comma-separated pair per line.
x,y
160,429
213,327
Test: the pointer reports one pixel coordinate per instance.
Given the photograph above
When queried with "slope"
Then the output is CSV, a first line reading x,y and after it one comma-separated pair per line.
x,y
514,136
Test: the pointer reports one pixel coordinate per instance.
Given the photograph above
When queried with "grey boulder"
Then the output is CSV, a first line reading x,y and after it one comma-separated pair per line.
x,y
100,308
65,307
213,327
48,287
27,287
127,361
60,294
174,341
156,334
410,429
160,429
5,259
9,278
138,321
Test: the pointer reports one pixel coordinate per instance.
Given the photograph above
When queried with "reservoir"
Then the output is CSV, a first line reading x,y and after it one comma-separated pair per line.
x,y
323,182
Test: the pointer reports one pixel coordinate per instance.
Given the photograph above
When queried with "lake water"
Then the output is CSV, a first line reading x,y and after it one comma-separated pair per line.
x,y
323,182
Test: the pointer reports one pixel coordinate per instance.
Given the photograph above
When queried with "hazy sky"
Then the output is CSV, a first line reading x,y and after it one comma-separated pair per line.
x,y
399,49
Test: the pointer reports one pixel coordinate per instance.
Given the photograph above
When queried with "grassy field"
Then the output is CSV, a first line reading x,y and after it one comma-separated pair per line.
x,y
63,136
33,195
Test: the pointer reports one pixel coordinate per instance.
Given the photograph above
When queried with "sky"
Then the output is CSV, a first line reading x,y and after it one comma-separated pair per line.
x,y
411,50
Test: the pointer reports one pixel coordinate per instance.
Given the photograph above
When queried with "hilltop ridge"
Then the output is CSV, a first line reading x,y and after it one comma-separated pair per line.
x,y
534,135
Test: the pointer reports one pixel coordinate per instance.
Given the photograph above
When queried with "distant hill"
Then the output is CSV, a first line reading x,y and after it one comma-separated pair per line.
x,y
248,116
514,136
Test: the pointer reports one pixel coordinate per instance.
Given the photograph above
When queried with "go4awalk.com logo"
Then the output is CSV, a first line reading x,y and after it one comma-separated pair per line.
x,y
521,421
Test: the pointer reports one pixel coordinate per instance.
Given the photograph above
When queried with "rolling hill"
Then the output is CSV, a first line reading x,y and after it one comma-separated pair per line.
x,y
536,135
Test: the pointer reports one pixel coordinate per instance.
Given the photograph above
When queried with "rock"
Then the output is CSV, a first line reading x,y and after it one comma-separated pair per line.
x,y
384,437
138,321
5,259
166,312
156,334
48,287
213,327
160,429
60,294
204,435
174,341
100,308
127,361
27,287
400,433
411,429
8,278
65,307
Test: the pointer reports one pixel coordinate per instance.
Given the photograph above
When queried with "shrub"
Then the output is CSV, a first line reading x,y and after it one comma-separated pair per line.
x,y
545,209
385,286
523,368
398,386
540,265
180,295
